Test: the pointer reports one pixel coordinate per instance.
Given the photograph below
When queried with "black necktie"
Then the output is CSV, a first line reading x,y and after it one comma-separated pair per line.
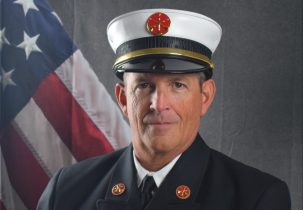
x,y
147,188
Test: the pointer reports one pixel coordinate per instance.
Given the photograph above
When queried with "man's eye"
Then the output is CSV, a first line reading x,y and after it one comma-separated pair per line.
x,y
143,85
178,85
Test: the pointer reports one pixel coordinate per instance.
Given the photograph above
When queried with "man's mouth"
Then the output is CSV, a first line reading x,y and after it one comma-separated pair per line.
x,y
161,121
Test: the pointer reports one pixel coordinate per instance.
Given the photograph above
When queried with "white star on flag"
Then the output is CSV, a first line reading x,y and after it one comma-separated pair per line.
x,y
6,78
29,44
3,39
27,5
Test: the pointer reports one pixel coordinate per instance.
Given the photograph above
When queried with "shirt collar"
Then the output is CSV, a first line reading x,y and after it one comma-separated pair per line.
x,y
157,175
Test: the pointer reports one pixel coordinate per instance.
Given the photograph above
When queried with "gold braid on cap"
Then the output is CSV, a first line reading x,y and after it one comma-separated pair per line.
x,y
164,51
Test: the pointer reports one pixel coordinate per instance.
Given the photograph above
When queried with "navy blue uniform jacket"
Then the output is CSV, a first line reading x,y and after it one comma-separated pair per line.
x,y
216,181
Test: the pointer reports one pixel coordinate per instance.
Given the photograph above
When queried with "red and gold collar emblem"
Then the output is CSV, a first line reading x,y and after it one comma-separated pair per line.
x,y
158,24
183,192
118,189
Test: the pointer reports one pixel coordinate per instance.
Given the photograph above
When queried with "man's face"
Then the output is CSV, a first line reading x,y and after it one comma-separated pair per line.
x,y
164,110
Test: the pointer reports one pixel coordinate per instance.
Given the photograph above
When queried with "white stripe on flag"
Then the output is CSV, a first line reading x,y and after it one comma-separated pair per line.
x,y
9,197
43,141
80,79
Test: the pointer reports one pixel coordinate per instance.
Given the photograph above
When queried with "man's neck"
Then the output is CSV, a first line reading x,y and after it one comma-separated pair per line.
x,y
158,176
154,161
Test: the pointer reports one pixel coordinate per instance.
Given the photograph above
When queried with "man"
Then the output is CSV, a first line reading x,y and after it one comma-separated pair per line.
x,y
164,60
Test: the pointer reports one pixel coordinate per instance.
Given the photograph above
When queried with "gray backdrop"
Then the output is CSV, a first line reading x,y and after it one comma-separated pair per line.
x,y
257,114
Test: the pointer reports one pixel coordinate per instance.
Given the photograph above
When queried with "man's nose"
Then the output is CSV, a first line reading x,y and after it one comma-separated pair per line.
x,y
159,100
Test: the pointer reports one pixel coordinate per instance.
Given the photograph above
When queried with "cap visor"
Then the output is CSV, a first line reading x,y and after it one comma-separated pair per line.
x,y
160,64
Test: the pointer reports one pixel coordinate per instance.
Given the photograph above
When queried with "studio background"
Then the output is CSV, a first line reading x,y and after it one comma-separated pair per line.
x,y
257,113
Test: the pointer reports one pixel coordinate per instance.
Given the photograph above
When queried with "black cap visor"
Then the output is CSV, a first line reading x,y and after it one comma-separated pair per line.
x,y
163,64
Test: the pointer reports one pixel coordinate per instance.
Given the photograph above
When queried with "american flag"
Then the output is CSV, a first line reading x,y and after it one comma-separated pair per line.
x,y
54,110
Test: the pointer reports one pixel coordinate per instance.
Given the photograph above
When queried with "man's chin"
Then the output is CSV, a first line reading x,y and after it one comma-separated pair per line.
x,y
161,143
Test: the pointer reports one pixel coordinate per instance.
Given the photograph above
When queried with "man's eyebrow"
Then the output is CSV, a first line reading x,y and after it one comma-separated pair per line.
x,y
141,77
179,78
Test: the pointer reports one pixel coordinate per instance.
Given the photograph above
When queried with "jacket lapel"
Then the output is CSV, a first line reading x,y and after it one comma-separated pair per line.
x,y
124,172
189,171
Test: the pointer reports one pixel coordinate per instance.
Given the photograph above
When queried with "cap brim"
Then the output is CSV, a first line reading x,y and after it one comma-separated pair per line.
x,y
162,64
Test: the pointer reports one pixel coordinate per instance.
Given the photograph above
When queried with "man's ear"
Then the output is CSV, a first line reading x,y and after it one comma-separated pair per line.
x,y
121,98
208,94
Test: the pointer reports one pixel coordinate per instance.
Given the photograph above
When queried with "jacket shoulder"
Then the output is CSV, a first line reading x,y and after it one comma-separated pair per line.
x,y
229,179
73,184
239,170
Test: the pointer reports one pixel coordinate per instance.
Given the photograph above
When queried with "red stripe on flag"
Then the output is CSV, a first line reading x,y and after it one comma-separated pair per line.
x,y
26,175
73,125
2,207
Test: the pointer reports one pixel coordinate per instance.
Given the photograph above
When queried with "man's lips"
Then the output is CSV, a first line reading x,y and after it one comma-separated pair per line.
x,y
160,119
159,123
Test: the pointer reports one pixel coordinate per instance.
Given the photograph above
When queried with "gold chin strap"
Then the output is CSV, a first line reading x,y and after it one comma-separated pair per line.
x,y
164,51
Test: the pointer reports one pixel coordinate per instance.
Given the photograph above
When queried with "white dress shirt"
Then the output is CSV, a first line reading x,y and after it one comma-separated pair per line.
x,y
157,175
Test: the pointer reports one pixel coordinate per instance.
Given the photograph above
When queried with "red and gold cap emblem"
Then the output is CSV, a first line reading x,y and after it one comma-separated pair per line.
x,y
158,24
183,192
118,189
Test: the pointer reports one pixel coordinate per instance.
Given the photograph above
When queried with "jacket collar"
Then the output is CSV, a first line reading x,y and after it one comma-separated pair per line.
x,y
189,171
124,172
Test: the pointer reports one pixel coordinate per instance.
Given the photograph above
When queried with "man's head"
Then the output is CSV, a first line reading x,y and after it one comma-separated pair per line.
x,y
164,60
164,110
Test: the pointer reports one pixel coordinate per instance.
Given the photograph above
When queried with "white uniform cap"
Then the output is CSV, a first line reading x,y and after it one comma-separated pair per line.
x,y
196,35
184,24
